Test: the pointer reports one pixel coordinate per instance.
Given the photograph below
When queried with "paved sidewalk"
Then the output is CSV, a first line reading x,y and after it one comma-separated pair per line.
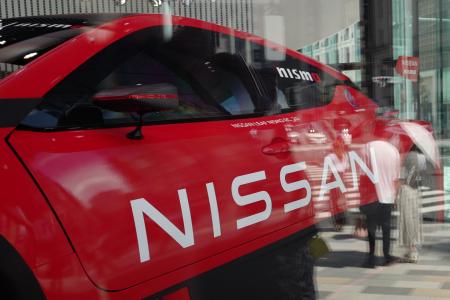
x,y
340,274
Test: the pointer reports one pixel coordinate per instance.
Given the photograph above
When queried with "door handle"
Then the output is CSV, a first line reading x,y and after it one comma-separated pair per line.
x,y
277,147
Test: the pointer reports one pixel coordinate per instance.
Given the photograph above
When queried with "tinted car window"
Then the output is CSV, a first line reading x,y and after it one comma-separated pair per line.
x,y
286,82
215,75
142,70
209,83
290,82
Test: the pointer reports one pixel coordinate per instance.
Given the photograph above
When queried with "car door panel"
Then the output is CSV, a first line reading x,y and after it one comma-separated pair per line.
x,y
90,177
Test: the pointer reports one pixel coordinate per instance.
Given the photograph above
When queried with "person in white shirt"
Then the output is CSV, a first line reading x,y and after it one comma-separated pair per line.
x,y
378,213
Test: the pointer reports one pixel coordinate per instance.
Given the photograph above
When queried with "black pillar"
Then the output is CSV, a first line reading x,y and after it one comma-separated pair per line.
x,y
377,51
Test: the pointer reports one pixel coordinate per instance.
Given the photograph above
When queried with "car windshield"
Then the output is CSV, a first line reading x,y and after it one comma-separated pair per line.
x,y
24,40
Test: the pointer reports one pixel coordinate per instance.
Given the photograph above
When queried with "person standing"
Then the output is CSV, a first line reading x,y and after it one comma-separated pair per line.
x,y
409,204
378,213
338,201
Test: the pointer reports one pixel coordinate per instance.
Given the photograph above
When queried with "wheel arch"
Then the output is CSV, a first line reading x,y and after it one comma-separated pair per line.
x,y
16,277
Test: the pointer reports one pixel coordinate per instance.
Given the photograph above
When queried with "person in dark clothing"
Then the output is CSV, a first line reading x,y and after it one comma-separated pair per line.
x,y
379,214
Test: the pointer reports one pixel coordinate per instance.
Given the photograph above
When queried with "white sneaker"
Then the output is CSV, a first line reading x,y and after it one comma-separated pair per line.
x,y
414,257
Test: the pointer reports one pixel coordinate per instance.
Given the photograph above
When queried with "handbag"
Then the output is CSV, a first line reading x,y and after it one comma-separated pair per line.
x,y
318,247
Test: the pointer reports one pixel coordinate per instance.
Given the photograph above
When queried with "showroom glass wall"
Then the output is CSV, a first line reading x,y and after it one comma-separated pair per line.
x,y
397,52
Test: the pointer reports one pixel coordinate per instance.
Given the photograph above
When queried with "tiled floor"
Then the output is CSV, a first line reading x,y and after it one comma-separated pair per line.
x,y
340,274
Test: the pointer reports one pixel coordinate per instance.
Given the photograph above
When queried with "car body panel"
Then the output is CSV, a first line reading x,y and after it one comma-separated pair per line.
x,y
91,177
25,218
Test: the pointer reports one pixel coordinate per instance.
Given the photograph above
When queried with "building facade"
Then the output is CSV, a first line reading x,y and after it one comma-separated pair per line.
x,y
236,14
340,50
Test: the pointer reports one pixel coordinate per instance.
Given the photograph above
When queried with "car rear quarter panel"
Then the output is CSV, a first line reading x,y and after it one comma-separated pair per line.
x,y
26,220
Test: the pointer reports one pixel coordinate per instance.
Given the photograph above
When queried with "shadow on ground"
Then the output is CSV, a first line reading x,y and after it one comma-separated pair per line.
x,y
342,259
438,247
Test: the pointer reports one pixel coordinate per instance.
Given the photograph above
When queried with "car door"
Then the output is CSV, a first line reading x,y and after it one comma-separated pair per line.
x,y
194,193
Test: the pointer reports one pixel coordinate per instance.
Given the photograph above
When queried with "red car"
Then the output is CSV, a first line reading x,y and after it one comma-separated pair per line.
x,y
156,157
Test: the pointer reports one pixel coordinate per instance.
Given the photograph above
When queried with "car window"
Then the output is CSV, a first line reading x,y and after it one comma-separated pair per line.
x,y
290,82
286,82
143,70
208,82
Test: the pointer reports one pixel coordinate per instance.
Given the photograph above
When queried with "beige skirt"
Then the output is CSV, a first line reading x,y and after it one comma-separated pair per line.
x,y
410,217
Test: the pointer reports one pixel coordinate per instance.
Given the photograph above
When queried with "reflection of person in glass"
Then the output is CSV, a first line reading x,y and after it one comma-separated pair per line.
x,y
378,213
409,203
337,198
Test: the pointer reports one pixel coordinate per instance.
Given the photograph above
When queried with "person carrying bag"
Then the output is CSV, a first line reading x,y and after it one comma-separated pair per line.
x,y
409,204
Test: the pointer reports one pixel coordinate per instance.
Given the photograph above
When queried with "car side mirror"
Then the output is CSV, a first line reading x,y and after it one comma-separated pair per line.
x,y
139,99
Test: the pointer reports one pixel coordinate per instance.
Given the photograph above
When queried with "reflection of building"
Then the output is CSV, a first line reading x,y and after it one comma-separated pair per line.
x,y
341,47
341,50
434,51
419,29
234,14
